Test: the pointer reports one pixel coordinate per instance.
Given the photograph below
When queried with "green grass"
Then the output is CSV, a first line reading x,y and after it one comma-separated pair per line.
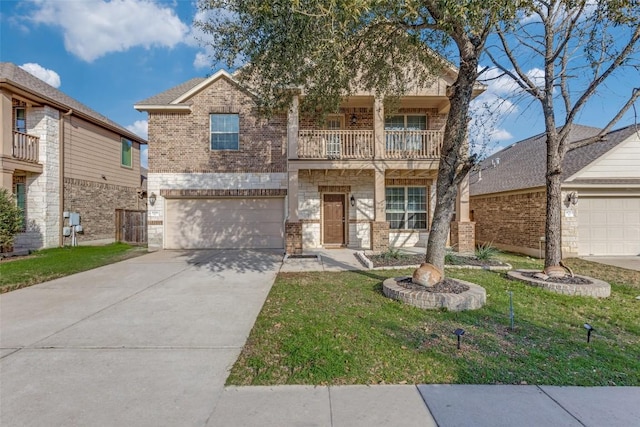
x,y
338,328
49,264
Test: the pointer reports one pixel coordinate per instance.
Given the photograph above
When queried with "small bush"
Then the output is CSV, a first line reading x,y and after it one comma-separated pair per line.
x,y
451,259
392,253
486,252
10,218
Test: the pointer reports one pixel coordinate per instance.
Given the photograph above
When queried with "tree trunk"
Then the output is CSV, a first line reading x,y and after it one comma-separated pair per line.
x,y
453,156
553,223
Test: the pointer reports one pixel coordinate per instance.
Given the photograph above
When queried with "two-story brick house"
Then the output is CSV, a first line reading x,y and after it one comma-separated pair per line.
x,y
225,177
58,155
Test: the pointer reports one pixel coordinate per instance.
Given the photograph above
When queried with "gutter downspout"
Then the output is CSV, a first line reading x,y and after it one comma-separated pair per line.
x,y
61,177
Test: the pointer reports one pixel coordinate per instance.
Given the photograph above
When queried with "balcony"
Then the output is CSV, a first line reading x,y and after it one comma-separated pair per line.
x,y
360,144
335,144
25,147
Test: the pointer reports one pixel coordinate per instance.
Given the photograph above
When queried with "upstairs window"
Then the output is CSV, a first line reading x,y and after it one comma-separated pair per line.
x,y
405,132
20,119
126,152
225,131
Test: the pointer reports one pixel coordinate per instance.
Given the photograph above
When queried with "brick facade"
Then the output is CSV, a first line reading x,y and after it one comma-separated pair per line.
x,y
180,142
463,237
379,236
96,203
293,237
511,220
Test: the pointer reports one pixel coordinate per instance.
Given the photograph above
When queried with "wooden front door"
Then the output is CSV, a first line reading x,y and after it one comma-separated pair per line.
x,y
334,219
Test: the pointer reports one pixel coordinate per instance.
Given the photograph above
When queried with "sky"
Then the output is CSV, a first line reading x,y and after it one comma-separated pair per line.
x,y
111,54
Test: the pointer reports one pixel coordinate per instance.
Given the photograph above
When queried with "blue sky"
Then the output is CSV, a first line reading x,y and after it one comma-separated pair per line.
x,y
111,54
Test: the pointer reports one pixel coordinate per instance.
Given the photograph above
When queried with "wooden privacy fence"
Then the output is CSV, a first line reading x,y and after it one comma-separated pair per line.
x,y
131,226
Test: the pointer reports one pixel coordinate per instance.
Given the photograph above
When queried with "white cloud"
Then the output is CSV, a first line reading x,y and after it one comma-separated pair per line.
x,y
140,128
48,76
201,60
94,28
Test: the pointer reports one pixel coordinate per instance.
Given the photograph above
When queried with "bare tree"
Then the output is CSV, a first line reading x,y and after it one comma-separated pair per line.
x,y
578,45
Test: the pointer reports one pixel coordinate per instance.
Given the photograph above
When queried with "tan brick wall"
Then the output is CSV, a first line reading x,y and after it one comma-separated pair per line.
x,y
96,203
293,237
463,237
379,236
180,142
514,219
364,118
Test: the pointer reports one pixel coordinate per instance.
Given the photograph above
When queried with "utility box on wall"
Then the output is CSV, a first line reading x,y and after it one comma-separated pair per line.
x,y
74,218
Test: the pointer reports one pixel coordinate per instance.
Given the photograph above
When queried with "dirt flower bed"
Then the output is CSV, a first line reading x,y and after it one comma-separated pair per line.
x,y
383,260
445,286
566,279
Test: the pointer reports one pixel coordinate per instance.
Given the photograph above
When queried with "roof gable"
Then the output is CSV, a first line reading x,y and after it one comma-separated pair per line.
x,y
622,161
523,164
21,80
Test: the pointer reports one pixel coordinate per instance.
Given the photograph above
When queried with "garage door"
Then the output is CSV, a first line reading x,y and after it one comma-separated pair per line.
x,y
224,223
609,226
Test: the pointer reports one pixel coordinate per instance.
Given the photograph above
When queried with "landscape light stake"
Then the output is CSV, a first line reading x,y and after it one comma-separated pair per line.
x,y
589,329
511,317
459,332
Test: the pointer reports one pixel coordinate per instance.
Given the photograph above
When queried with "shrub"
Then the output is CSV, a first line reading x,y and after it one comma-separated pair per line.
x,y
485,252
392,253
10,218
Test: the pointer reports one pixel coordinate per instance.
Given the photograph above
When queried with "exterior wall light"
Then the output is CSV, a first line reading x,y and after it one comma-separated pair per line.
x,y
152,199
572,198
353,201
354,119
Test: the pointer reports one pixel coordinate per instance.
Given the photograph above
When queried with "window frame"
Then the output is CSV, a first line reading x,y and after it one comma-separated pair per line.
x,y
406,211
16,118
20,197
212,132
124,141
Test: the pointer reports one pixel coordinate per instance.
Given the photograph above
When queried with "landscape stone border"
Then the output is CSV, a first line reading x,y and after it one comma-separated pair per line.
x,y
472,299
362,257
597,288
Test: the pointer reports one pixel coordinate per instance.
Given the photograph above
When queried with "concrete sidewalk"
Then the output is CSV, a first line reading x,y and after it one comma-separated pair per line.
x,y
428,405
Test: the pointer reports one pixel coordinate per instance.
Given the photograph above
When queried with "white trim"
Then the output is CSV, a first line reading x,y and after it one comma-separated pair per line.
x,y
162,107
197,88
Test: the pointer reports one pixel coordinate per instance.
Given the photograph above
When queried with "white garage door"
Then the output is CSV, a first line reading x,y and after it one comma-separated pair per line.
x,y
609,226
224,223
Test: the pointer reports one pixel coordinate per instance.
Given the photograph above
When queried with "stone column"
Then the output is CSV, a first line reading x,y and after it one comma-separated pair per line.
x,y
6,125
292,196
378,128
292,129
463,237
293,238
379,226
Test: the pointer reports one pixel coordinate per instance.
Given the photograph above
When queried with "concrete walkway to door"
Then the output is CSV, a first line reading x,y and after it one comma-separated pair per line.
x,y
144,342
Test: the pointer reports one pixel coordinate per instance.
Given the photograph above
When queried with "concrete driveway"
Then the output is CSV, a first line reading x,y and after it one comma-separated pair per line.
x,y
628,262
146,342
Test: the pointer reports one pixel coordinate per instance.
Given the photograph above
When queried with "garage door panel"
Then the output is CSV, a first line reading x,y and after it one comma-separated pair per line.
x,y
609,226
224,223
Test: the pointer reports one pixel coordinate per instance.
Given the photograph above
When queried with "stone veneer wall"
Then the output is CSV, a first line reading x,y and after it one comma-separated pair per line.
x,y
359,217
200,181
43,190
96,202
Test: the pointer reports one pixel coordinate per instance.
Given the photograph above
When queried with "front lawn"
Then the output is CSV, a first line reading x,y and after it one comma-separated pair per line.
x,y
338,328
49,264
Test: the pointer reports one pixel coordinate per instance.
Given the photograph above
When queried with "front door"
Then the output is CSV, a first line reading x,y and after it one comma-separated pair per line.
x,y
334,219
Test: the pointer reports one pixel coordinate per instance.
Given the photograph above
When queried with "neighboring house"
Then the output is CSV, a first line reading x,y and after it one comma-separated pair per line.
x,y
600,191
57,155
224,177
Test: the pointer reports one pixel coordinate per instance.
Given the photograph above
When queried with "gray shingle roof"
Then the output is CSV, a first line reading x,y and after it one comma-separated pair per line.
x,y
165,98
523,164
12,74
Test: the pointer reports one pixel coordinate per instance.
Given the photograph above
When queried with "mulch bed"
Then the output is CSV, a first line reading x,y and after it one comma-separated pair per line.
x,y
445,286
386,261
568,280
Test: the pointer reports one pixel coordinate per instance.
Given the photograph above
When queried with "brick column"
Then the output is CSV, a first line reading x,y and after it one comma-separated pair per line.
x,y
463,237
293,238
379,236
